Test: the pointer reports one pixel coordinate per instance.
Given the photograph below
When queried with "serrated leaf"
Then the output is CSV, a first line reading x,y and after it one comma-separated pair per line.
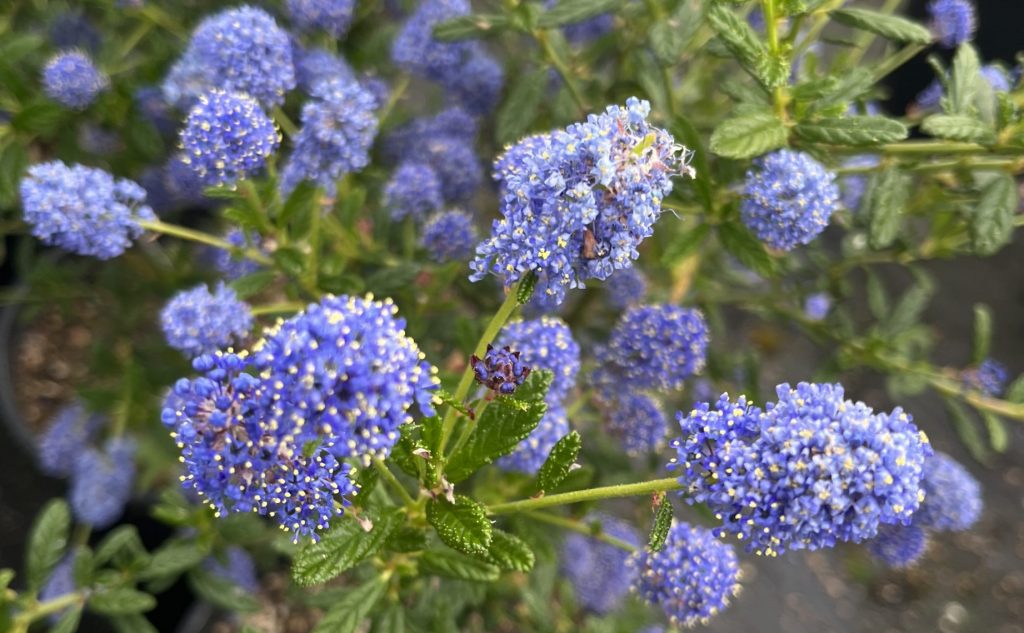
x,y
520,107
348,613
853,130
662,524
907,311
407,539
47,541
124,538
526,287
957,127
254,283
451,564
748,136
559,461
510,552
68,622
982,341
572,11
742,245
878,301
290,260
221,592
1015,392
741,40
341,548
134,623
884,203
171,559
462,525
967,430
391,620
471,26
963,84
888,26
998,437
992,221
850,86
120,601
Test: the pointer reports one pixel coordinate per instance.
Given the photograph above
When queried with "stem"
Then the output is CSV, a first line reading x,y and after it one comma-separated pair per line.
x,y
396,94
925,148
896,60
771,25
866,38
593,531
133,40
285,123
279,308
389,477
549,52
43,609
590,494
203,238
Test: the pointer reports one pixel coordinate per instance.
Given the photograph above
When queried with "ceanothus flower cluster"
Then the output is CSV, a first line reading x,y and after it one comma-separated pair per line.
x,y
268,431
597,570
333,16
83,209
530,454
101,482
546,344
449,236
899,546
236,567
638,421
316,64
692,577
414,190
71,79
501,369
952,21
788,198
231,266
626,287
446,143
989,377
70,429
197,321
952,496
811,470
577,203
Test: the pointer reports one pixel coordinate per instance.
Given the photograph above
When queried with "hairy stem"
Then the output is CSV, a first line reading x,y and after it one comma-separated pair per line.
x,y
287,307
203,238
590,494
389,477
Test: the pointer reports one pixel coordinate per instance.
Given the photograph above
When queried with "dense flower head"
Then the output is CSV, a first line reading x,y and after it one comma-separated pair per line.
x,y
531,453
626,287
83,209
589,29
653,347
315,65
952,21
197,321
854,185
236,567
546,343
229,265
500,370
817,306
239,50
952,496
577,203
989,377
72,428
415,49
692,577
449,236
72,29
414,190
444,141
267,431
151,104
476,84
788,199
638,422
899,546
414,136
931,97
811,470
333,16
71,79
338,128
597,569
101,482
60,582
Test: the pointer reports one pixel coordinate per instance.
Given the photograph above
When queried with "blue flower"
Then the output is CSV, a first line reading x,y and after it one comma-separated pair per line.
x,y
577,203
60,582
952,21
71,429
333,16
788,199
996,77
931,97
546,344
626,287
229,265
586,30
811,470
501,370
653,347
414,190
315,65
83,209
71,79
476,84
415,49
952,496
449,236
72,29
637,421
338,128
531,453
236,567
899,546
989,377
198,322
101,482
153,106
597,570
855,185
817,306
227,137
445,142
692,577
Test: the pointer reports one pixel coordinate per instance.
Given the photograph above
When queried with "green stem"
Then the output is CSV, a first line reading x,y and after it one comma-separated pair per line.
x,y
203,238
400,87
863,42
593,531
590,494
389,477
549,52
1013,165
133,40
286,307
771,22
285,122
926,148
894,61
42,609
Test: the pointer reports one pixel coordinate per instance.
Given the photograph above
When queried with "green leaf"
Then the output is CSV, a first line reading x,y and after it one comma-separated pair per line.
x,y
348,613
451,564
742,41
520,107
1015,392
13,162
748,136
911,305
669,36
572,11
298,210
341,548
510,552
684,131
982,333
68,622
502,425
120,601
123,539
662,524
391,620
559,462
290,260
252,284
40,117
685,245
998,437
471,26
171,559
134,623
884,203
853,130
84,566
963,83
968,431
462,525
888,26
221,592
526,288
407,539
851,85
742,245
958,127
47,540
878,301
991,222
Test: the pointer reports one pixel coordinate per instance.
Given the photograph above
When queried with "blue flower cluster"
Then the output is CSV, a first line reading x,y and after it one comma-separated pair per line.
x,y
268,431
692,578
70,429
414,190
60,582
338,128
236,567
501,369
626,287
239,50
72,29
952,21
989,377
587,30
817,306
83,209
227,137
811,470
333,16
899,546
597,570
546,344
72,80
229,265
449,236
577,203
197,321
855,185
315,65
788,199
445,142
638,421
952,496
530,454
102,481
